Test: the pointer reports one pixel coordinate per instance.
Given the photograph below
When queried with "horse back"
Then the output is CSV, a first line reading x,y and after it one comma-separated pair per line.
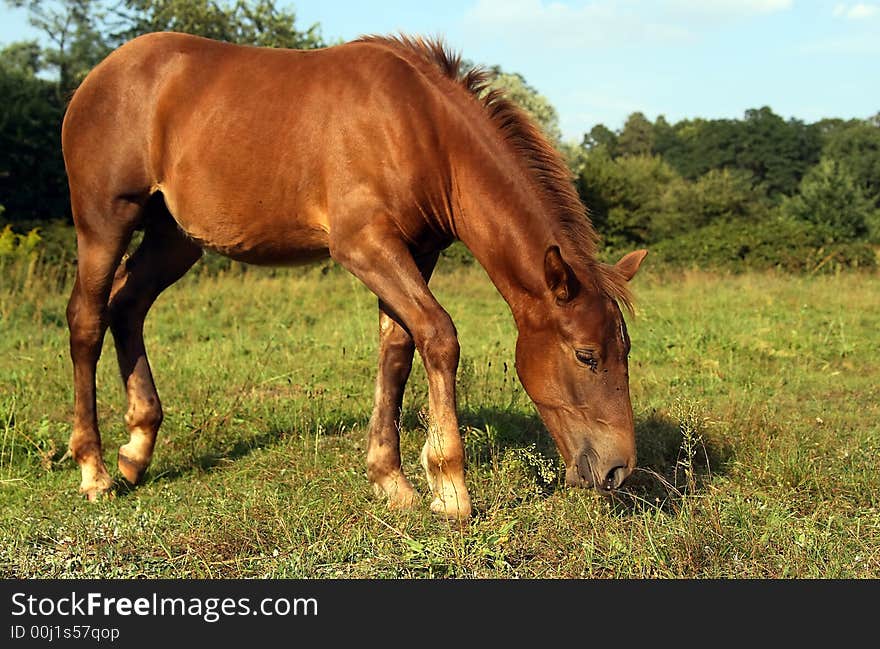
x,y
261,153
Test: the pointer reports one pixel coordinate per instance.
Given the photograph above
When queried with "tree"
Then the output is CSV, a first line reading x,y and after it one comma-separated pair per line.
x,y
637,136
24,58
529,99
720,195
601,136
73,31
830,196
32,180
827,127
664,136
774,151
700,145
624,195
857,147
259,22
778,153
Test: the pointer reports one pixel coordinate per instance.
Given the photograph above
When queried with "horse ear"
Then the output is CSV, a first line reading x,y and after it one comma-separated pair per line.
x,y
629,264
560,279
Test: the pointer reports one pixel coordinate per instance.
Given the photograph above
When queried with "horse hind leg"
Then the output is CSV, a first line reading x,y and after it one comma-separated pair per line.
x,y
101,243
163,257
396,349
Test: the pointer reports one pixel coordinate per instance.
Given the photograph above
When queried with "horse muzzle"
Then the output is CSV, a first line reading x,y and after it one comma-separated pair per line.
x,y
605,474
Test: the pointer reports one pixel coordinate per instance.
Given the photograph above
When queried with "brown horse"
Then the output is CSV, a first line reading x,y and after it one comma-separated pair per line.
x,y
380,153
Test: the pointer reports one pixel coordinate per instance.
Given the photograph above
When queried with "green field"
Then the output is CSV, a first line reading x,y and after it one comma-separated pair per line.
x,y
756,396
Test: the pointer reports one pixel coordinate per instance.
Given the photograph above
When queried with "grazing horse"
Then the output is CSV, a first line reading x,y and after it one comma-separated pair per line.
x,y
378,153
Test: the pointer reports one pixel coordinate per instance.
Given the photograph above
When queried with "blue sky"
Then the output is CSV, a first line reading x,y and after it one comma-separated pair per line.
x,y
600,60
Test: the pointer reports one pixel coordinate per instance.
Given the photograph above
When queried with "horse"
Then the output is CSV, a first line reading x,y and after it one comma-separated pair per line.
x,y
378,153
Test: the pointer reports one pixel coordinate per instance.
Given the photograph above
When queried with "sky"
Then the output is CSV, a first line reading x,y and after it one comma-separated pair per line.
x,y
598,61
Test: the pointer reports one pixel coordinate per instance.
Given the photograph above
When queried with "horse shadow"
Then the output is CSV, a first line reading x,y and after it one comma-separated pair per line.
x,y
673,461
209,460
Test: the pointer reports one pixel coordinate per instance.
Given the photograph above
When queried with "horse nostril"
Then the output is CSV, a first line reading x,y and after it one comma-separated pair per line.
x,y
584,470
614,478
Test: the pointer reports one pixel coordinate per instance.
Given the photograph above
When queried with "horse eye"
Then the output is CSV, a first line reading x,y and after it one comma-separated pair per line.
x,y
586,357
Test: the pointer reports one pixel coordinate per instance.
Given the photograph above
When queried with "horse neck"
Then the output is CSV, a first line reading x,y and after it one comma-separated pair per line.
x,y
502,220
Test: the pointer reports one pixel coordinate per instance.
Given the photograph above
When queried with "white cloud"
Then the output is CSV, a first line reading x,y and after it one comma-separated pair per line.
x,y
862,10
858,11
732,7
858,45
573,25
598,23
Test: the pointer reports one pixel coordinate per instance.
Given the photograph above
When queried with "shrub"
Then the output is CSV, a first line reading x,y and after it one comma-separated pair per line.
x,y
15,246
778,242
857,147
625,194
829,196
718,195
45,248
18,258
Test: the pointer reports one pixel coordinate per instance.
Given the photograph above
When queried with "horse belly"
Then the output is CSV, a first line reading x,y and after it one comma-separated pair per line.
x,y
252,236
292,245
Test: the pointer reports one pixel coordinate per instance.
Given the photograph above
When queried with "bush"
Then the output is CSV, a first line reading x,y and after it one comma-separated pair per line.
x,y
49,245
778,242
15,246
18,258
829,196
625,194
857,147
718,195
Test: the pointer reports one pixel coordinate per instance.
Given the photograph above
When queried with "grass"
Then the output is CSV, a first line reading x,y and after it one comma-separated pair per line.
x,y
756,397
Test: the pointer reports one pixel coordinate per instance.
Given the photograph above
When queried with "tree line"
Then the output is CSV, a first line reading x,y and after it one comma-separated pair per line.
x,y
759,191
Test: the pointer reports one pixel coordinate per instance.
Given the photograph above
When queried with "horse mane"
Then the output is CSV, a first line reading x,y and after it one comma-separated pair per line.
x,y
548,170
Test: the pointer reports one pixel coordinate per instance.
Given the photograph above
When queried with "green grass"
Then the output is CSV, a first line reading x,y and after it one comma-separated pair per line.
x,y
757,401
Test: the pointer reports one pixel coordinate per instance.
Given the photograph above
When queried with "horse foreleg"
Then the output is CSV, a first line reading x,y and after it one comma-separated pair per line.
x,y
396,348
163,257
383,262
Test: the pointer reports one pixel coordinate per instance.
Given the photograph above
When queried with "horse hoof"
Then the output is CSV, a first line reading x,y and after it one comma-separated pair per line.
x,y
131,470
452,511
94,494
398,492
403,502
